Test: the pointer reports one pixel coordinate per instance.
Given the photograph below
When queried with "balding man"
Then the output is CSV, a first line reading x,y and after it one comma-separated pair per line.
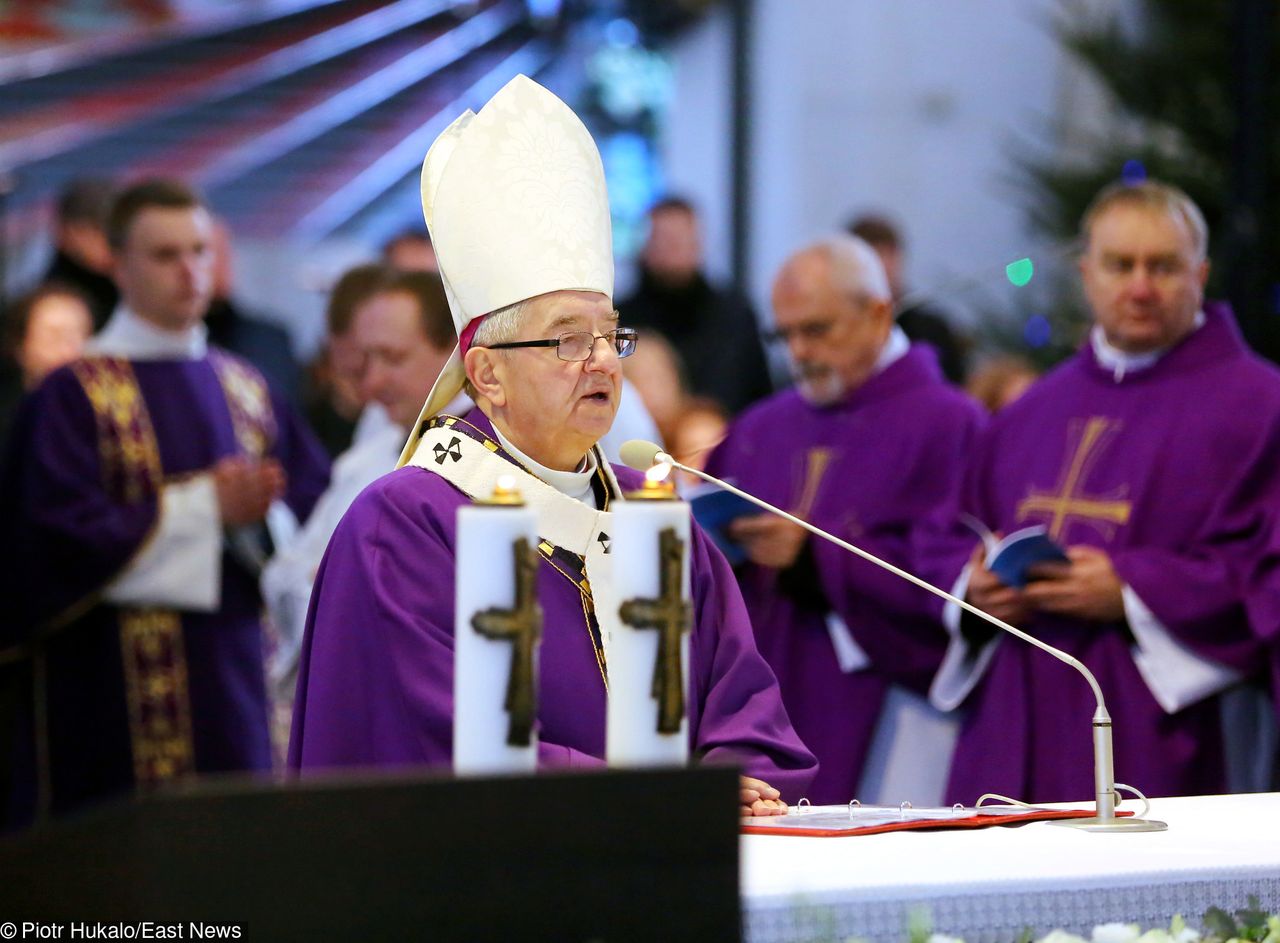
x,y
869,445
1150,456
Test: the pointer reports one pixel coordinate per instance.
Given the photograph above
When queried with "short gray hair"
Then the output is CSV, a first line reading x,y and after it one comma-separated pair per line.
x,y
498,327
1152,195
856,270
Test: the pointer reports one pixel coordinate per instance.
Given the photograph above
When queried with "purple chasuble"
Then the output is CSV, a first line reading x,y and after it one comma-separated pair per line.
x,y
881,469
1172,471
79,527
375,680
1266,622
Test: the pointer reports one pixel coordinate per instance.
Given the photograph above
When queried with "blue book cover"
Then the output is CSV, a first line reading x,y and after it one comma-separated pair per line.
x,y
715,509
1013,557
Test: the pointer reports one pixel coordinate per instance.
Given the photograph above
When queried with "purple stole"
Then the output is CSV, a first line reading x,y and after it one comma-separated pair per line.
x,y
151,645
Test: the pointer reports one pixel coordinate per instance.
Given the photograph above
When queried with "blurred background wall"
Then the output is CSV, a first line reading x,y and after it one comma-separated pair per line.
x,y
909,108
978,126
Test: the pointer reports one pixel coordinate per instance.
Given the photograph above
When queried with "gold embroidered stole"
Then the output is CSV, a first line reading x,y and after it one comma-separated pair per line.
x,y
249,401
151,646
151,642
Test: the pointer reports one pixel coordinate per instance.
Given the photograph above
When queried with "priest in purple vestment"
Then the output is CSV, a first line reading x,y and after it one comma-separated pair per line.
x,y
514,198
1151,457
145,475
870,445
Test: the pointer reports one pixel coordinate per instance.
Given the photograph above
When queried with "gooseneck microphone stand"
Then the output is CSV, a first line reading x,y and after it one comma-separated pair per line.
x,y
643,455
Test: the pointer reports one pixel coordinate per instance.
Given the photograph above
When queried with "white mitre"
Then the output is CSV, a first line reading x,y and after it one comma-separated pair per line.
x,y
516,204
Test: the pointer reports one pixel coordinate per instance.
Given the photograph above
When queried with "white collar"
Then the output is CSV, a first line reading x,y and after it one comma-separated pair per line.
x,y
1121,363
574,484
130,336
372,422
894,349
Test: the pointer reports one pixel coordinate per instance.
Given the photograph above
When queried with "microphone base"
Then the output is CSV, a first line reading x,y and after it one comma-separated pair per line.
x,y
1125,824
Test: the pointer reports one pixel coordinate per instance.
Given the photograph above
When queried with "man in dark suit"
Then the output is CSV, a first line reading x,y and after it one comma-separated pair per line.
x,y
713,329
82,258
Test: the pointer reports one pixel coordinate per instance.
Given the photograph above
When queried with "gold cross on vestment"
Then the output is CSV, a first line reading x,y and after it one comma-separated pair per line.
x,y
1105,512
520,625
672,616
817,460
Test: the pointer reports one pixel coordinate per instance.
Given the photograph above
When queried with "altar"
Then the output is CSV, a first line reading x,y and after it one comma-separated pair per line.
x,y
991,884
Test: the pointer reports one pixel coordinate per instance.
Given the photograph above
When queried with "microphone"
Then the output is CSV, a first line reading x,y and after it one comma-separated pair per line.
x,y
641,455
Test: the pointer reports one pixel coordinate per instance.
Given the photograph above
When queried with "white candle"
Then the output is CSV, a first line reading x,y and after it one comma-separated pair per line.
x,y
487,583
633,734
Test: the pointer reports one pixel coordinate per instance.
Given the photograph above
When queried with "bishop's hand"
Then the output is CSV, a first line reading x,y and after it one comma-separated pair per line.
x,y
1086,588
759,798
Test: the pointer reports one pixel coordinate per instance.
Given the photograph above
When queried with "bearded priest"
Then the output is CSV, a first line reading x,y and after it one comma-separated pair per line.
x,y
514,197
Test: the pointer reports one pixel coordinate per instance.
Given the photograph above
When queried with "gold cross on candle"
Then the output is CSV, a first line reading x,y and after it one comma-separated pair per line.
x,y
520,625
671,616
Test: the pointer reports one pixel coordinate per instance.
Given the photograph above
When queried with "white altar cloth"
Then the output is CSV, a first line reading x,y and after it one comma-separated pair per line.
x,y
990,884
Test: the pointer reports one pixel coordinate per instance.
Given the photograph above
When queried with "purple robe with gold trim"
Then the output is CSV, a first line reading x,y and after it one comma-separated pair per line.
x,y
140,695
376,674
1172,470
881,469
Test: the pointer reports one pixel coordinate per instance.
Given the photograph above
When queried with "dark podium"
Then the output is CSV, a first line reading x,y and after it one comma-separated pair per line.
x,y
598,856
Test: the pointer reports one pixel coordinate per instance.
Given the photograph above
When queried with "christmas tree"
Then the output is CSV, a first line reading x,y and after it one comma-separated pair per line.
x,y
1177,74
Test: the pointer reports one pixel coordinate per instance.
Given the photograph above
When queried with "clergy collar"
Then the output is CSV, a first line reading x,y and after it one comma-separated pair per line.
x,y
128,335
372,422
1119,363
894,349
574,484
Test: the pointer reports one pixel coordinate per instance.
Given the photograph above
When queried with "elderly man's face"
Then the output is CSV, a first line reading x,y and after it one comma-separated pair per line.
x,y
400,362
1143,277
833,339
556,410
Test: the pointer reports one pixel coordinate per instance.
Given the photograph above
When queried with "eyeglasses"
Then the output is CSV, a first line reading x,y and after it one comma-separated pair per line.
x,y
578,345
809,331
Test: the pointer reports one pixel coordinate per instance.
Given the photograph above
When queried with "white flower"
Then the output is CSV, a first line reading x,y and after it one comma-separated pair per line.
x,y
1182,933
1116,933
1273,929
943,938
1156,936
1062,936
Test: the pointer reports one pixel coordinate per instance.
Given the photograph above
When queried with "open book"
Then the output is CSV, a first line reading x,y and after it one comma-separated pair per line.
x,y
830,821
1012,557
